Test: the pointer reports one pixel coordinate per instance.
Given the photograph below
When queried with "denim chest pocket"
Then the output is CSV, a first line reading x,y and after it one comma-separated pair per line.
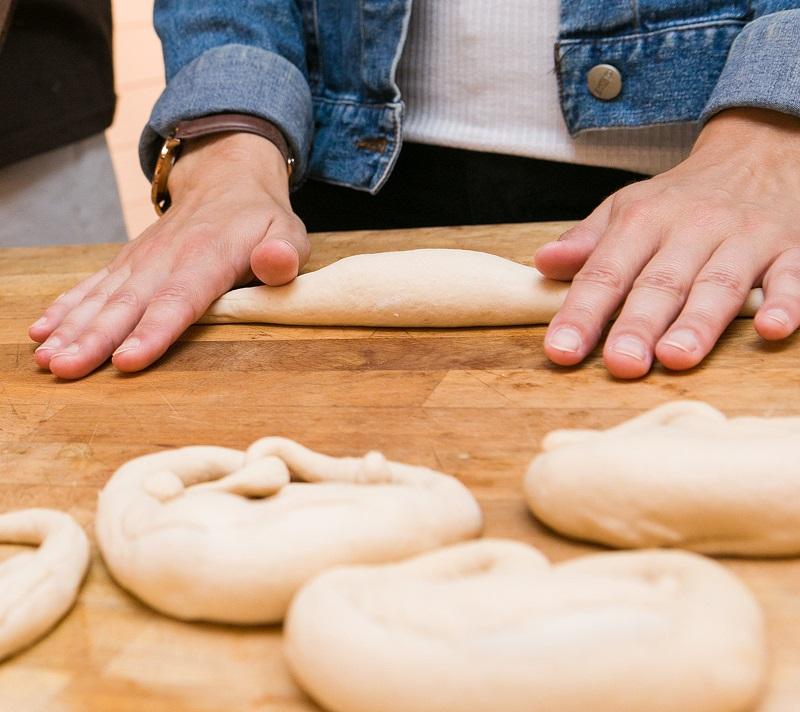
x,y
663,14
664,58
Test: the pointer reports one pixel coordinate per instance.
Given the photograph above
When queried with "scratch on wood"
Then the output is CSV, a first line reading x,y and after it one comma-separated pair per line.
x,y
10,403
94,432
439,465
492,388
164,398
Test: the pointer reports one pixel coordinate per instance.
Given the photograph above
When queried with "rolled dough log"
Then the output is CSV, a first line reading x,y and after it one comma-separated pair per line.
x,y
490,625
412,288
679,475
210,533
38,587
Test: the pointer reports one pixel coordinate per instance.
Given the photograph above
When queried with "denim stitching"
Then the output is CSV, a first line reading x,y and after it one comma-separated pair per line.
x,y
664,30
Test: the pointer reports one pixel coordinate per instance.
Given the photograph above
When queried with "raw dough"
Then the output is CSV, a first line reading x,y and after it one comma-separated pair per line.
x,y
412,288
490,625
679,475
38,587
217,534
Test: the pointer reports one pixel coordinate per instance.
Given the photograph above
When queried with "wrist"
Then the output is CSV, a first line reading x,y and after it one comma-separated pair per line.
x,y
209,163
751,129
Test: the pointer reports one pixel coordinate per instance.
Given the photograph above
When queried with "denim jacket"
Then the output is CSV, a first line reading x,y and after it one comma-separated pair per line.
x,y
324,70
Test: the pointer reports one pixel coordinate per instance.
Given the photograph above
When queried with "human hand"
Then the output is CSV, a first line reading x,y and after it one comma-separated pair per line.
x,y
680,252
230,219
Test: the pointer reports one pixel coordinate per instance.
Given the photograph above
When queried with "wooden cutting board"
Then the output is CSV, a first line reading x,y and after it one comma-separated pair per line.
x,y
471,402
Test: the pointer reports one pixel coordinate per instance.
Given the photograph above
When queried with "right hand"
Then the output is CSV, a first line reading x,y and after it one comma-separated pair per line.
x,y
230,220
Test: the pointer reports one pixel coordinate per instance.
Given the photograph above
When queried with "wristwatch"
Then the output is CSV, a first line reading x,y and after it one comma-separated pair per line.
x,y
205,126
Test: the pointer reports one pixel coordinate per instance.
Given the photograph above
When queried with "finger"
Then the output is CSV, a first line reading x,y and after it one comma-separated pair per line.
x,y
655,300
563,258
78,317
280,256
715,299
106,331
598,289
171,310
62,305
779,315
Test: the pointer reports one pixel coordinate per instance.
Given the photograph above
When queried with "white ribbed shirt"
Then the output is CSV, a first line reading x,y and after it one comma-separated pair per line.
x,y
479,75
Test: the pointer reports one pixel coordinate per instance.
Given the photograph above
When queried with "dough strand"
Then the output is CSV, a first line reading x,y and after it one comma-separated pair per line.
x,y
681,475
410,288
491,625
211,533
38,587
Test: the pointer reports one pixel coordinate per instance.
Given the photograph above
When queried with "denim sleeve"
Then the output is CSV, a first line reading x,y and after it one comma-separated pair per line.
x,y
232,56
763,66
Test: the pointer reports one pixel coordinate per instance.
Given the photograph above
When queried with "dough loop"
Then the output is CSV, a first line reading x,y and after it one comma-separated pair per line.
x,y
211,533
410,288
679,475
38,587
491,625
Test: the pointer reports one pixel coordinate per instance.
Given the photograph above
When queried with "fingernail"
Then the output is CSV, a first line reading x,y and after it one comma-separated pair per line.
x,y
128,345
778,315
683,340
565,339
60,297
631,347
41,321
71,350
51,343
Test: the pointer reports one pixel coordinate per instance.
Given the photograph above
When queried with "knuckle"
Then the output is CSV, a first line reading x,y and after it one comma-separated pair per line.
x,y
630,193
635,212
637,321
664,280
583,315
124,298
569,234
576,232
606,273
753,222
66,331
726,279
98,295
700,317
710,214
170,293
792,273
178,297
703,216
98,334
295,224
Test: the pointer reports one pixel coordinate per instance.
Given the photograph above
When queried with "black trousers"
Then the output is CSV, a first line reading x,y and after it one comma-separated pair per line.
x,y
432,185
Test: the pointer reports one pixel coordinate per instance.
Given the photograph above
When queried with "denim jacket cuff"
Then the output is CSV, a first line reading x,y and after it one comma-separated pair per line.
x,y
763,67
239,79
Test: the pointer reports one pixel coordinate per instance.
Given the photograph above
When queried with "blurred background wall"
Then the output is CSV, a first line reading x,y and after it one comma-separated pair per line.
x,y
139,79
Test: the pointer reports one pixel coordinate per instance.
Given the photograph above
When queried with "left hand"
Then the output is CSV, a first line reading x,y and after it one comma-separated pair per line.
x,y
680,252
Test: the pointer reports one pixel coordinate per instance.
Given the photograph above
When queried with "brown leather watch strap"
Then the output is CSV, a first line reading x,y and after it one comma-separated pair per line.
x,y
206,126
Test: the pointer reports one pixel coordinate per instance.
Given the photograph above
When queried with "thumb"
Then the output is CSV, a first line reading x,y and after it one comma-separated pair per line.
x,y
563,258
283,251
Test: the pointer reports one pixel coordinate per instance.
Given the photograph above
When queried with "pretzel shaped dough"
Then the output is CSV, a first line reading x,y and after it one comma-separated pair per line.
x,y
410,288
490,625
679,475
211,533
38,587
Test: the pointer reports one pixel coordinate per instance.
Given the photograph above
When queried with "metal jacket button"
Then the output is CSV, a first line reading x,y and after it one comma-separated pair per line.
x,y
605,81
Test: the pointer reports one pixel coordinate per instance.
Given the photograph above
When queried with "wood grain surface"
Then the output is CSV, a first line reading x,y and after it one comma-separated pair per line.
x,y
471,402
